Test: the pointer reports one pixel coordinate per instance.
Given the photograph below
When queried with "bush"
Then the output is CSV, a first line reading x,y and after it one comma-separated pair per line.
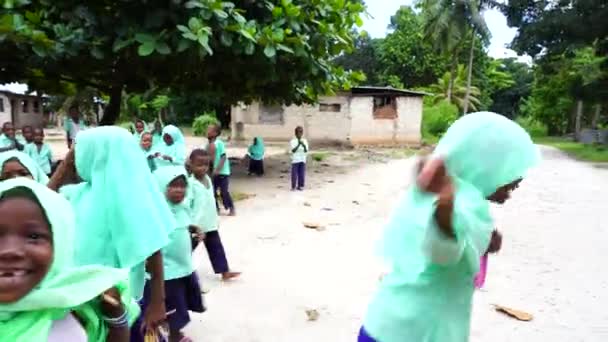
x,y
202,122
437,118
535,128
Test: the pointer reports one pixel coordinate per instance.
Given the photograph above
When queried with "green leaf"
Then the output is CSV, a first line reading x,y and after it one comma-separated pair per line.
x,y
146,49
194,24
247,35
278,35
249,49
193,4
183,45
190,35
183,28
284,48
358,21
226,39
220,14
204,41
33,17
120,44
270,51
277,12
40,51
145,38
163,48
239,18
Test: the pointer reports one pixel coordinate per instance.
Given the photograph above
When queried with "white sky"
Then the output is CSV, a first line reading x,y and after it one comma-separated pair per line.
x,y
382,10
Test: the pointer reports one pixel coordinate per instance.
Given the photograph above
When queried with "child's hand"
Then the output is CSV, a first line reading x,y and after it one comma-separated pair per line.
x,y
433,177
495,242
197,233
111,304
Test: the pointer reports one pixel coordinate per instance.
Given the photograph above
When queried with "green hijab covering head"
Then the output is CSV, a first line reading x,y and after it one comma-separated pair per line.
x,y
65,287
166,175
257,148
27,162
118,203
483,151
175,134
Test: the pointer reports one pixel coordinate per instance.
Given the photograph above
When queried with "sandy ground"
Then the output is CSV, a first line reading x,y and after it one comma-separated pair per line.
x,y
551,264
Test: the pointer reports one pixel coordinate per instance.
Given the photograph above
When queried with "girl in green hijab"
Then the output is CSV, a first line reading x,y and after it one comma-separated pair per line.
x,y
172,150
441,229
256,157
18,164
122,218
183,292
43,295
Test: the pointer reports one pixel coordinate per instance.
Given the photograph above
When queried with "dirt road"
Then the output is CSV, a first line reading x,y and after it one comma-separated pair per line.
x,y
551,264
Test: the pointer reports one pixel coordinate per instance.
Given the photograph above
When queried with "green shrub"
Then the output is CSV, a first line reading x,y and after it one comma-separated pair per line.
x,y
319,156
534,127
437,118
202,122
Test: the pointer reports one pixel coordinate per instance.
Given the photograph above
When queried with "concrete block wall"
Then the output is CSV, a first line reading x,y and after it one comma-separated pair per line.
x,y
6,114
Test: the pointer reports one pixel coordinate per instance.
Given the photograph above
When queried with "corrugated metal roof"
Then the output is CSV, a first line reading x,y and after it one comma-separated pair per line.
x,y
363,90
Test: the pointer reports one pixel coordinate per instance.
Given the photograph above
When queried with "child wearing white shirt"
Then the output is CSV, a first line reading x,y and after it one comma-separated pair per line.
x,y
299,152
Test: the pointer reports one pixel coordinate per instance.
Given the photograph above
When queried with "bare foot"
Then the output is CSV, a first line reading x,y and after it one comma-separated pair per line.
x,y
226,276
232,212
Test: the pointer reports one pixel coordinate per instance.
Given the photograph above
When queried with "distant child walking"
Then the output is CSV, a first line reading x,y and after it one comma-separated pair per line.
x,y
204,212
221,167
255,153
441,229
40,151
182,288
146,147
299,152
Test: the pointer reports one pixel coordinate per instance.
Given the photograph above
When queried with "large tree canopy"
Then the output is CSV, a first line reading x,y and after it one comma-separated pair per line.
x,y
274,50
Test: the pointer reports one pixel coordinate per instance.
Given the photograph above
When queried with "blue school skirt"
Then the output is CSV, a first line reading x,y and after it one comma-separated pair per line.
x,y
364,337
181,295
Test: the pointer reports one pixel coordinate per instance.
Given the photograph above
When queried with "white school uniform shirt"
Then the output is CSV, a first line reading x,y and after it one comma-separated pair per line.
x,y
299,156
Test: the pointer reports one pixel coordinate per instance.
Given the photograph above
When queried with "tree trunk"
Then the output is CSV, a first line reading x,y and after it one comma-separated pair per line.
x,y
452,71
596,116
467,95
577,121
112,110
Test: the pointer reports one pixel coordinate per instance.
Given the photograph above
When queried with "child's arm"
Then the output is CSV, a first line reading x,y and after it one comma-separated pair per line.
x,y
156,312
62,172
433,178
294,147
113,309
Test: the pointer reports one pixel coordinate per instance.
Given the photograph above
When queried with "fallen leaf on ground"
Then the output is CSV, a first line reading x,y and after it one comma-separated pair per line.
x,y
312,315
356,202
312,225
327,209
517,314
330,181
306,204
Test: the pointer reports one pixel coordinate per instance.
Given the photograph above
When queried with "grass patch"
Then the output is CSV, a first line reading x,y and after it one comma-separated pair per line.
x,y
320,156
402,153
591,153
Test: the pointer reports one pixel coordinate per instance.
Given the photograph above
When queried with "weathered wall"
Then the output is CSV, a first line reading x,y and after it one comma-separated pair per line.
x,y
404,129
354,123
318,126
5,115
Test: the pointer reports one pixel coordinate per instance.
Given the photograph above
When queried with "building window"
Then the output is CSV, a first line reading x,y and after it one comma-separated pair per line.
x,y
271,114
24,106
36,107
2,105
385,107
330,107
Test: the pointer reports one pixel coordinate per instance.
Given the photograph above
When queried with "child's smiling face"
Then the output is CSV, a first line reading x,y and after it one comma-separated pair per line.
x,y
199,166
139,126
146,141
26,247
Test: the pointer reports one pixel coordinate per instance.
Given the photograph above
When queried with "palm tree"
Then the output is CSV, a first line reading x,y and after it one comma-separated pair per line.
x,y
458,91
448,23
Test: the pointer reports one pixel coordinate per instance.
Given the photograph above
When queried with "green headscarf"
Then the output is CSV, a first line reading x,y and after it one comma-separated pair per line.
x,y
177,150
256,150
66,287
121,216
427,296
177,255
27,162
